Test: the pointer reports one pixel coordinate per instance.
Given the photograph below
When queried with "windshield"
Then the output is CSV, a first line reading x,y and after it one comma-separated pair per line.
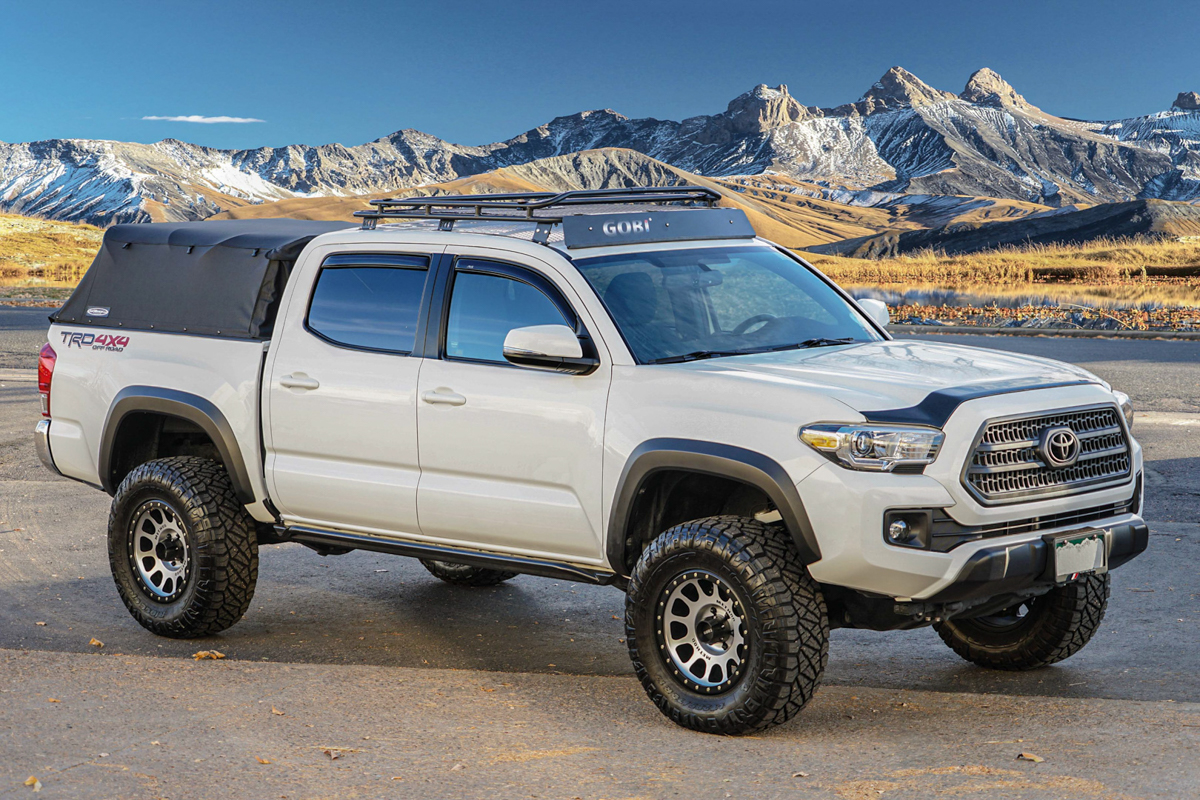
x,y
680,305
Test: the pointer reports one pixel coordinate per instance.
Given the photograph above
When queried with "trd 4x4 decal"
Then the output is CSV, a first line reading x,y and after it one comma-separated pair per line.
x,y
104,341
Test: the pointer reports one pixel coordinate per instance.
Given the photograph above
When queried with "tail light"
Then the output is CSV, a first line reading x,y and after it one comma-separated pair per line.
x,y
46,360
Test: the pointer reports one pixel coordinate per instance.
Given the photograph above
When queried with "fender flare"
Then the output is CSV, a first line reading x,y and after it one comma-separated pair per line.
x,y
174,403
709,458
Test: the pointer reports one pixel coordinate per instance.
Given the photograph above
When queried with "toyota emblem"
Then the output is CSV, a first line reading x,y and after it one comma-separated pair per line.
x,y
1059,447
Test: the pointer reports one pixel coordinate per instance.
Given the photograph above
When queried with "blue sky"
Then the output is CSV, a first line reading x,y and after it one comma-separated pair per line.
x,y
476,72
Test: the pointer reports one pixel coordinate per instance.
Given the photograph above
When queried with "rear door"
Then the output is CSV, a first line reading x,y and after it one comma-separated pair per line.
x,y
340,411
511,457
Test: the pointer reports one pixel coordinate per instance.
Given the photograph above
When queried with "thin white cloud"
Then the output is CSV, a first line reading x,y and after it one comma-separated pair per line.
x,y
204,120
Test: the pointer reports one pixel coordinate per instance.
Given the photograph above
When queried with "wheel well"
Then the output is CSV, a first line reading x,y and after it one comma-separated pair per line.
x,y
669,497
146,435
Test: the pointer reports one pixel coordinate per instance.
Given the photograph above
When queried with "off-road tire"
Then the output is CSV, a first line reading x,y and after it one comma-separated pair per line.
x,y
1056,626
465,574
223,555
785,619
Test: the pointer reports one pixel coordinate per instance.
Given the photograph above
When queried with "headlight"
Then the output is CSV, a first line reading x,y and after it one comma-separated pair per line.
x,y
880,448
1126,406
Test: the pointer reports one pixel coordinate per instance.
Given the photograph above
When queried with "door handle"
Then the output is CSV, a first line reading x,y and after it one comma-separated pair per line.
x,y
299,381
444,396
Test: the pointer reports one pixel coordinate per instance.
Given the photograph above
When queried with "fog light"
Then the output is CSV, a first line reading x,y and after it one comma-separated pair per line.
x,y
899,531
908,527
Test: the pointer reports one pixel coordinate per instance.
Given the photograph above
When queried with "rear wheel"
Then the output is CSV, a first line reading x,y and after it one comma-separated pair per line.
x,y
182,547
1035,633
727,631
466,575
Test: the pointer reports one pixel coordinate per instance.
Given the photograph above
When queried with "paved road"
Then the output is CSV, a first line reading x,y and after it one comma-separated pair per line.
x,y
22,333
528,685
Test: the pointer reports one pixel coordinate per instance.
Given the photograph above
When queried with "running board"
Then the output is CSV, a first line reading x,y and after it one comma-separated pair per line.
x,y
338,541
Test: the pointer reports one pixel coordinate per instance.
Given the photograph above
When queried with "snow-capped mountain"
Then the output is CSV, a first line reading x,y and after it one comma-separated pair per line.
x,y
901,137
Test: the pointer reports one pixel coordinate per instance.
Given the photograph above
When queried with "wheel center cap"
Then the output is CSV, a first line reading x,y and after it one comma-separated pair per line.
x,y
170,550
714,629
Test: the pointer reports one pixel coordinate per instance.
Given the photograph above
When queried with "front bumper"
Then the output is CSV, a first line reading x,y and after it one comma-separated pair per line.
x,y
1015,568
847,510
41,438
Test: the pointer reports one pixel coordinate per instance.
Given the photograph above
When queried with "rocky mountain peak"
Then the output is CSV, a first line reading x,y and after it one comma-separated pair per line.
x,y
987,88
1187,101
763,108
898,88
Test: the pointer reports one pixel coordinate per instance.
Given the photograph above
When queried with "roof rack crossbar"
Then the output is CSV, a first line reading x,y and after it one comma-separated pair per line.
x,y
520,206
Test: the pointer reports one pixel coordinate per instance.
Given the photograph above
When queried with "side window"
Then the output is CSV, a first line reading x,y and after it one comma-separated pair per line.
x,y
369,302
484,308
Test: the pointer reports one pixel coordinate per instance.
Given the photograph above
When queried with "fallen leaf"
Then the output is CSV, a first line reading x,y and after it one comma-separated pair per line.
x,y
1030,757
799,774
458,766
337,752
53,700
34,782
213,654
96,642
486,689
261,760
277,712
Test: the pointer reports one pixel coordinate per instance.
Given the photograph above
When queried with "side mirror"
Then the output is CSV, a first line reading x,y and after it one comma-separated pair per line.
x,y
876,310
549,347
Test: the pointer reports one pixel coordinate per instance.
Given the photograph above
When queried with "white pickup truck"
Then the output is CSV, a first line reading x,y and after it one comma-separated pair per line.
x,y
620,387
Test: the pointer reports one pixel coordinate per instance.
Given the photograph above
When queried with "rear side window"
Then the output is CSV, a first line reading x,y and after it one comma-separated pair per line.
x,y
370,306
484,308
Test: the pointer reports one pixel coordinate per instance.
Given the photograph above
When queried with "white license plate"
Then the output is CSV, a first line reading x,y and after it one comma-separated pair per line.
x,y
1078,554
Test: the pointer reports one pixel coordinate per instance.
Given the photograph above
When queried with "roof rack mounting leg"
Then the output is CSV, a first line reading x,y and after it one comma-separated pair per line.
x,y
446,225
541,234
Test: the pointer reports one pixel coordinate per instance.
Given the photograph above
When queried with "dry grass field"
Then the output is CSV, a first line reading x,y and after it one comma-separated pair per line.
x,y
42,260
1136,283
1105,272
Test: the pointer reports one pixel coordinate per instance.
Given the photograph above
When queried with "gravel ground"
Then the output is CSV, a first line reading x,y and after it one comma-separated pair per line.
x,y
424,690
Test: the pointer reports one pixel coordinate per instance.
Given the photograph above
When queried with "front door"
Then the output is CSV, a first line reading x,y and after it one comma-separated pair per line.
x,y
511,457
341,421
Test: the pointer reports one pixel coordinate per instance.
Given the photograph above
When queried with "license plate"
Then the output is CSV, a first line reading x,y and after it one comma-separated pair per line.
x,y
1079,553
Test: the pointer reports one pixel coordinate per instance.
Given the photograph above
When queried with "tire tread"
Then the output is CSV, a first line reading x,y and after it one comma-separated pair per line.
x,y
788,601
1070,616
226,558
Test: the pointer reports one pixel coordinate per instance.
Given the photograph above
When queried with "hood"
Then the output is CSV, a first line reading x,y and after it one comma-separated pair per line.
x,y
884,376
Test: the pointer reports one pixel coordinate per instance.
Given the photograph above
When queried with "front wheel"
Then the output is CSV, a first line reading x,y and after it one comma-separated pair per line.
x,y
1034,633
182,547
727,631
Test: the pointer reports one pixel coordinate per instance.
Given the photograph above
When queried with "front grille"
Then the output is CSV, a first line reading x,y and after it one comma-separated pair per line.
x,y
1007,466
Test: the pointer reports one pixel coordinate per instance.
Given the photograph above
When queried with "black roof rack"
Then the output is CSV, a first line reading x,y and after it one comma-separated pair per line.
x,y
520,207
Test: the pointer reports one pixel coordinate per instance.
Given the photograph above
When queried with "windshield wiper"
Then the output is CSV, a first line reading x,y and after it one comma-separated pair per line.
x,y
818,342
698,355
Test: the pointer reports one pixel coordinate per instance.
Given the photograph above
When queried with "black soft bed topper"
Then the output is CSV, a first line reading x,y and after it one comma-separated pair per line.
x,y
221,278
